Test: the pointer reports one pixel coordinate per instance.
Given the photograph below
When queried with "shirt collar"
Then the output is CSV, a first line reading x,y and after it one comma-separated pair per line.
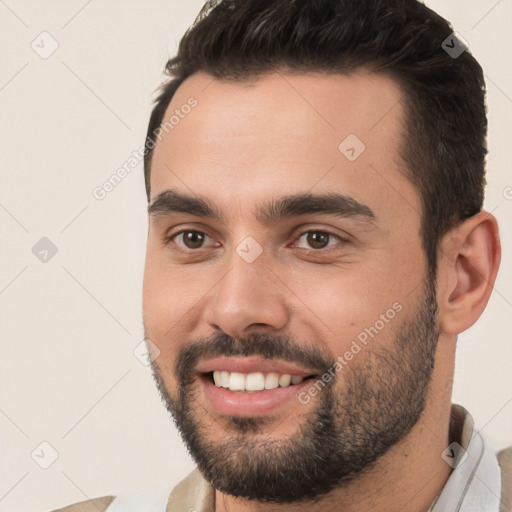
x,y
475,482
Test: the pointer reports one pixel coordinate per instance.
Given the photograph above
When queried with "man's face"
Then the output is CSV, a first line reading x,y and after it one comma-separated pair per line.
x,y
330,290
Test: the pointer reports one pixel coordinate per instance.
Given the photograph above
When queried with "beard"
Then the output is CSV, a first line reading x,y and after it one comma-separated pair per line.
x,y
342,436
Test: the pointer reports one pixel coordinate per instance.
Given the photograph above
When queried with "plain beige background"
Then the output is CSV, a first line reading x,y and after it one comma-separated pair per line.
x,y
70,325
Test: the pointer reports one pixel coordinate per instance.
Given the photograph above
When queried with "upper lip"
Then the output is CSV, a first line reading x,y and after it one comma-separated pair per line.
x,y
252,365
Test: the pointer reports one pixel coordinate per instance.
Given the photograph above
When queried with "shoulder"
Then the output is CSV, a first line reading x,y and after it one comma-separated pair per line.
x,y
94,505
505,457
193,492
505,462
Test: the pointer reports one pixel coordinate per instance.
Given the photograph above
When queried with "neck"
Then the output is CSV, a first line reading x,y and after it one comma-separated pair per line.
x,y
407,478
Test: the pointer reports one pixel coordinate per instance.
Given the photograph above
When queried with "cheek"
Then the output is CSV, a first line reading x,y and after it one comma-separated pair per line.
x,y
161,313
163,301
346,305
172,303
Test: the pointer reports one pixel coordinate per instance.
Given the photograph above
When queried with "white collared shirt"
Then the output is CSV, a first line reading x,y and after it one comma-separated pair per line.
x,y
474,484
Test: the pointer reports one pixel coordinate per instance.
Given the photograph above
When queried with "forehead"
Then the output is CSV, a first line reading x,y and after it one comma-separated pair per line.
x,y
286,133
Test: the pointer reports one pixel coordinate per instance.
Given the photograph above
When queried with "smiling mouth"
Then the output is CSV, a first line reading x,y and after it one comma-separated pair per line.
x,y
253,382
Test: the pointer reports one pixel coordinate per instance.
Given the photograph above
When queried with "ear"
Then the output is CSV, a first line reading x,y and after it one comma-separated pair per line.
x,y
468,263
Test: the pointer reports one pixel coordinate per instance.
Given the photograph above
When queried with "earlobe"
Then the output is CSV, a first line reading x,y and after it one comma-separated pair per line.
x,y
469,264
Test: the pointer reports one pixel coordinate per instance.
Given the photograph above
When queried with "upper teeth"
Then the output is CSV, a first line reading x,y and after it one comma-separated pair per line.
x,y
253,381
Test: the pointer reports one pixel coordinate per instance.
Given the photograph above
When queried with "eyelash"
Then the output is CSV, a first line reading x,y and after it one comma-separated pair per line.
x,y
296,235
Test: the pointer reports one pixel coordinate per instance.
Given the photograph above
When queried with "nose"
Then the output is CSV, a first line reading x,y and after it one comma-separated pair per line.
x,y
249,296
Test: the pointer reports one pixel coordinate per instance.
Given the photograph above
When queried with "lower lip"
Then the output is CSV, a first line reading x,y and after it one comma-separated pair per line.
x,y
236,403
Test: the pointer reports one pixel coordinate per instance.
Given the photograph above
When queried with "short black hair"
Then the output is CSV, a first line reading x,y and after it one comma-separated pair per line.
x,y
444,142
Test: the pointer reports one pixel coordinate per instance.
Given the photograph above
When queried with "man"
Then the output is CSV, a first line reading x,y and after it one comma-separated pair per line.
x,y
315,176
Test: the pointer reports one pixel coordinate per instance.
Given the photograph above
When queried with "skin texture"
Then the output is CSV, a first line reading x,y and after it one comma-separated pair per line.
x,y
245,144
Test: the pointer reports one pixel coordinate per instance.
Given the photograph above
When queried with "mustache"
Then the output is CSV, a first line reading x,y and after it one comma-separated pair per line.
x,y
266,346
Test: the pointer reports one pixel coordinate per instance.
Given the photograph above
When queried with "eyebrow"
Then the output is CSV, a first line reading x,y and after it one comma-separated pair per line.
x,y
340,205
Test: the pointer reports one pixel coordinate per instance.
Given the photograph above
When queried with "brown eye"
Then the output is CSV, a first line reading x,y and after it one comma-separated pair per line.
x,y
190,239
317,239
193,239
